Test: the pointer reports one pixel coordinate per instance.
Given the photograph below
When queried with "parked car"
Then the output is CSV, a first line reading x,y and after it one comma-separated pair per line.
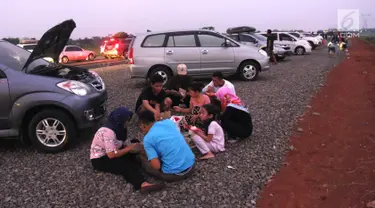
x,y
75,53
203,51
313,41
260,41
30,47
297,45
115,47
47,103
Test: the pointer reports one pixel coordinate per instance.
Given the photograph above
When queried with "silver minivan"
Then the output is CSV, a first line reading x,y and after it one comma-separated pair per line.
x,y
203,51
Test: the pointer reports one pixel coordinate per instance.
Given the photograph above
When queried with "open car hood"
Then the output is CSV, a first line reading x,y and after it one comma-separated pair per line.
x,y
52,42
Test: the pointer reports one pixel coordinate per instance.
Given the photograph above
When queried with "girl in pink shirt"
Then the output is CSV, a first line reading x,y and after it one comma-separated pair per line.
x,y
197,100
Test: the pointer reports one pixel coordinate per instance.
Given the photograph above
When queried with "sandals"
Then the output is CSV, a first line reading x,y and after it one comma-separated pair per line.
x,y
152,188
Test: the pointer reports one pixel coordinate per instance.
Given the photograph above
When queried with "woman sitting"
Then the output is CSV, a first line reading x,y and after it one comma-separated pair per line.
x,y
108,153
197,100
235,119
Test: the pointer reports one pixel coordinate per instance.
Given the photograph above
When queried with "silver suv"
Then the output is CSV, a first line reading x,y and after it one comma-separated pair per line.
x,y
203,51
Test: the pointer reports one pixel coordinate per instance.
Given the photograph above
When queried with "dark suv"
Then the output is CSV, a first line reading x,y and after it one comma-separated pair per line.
x,y
115,47
43,102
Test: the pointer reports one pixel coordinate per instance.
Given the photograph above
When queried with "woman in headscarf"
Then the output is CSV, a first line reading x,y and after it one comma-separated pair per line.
x,y
235,119
109,154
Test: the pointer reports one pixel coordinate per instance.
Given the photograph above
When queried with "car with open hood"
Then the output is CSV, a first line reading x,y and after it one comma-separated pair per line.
x,y
44,103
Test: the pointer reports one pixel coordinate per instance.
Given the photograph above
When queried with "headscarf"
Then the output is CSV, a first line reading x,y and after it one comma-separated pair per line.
x,y
116,122
226,96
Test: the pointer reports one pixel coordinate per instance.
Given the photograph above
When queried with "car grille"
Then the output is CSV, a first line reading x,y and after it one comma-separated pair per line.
x,y
287,48
98,85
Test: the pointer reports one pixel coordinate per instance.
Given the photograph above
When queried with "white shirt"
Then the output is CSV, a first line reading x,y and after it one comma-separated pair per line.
x,y
226,84
218,139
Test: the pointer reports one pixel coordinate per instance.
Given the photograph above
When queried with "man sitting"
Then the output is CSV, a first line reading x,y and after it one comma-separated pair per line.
x,y
153,98
169,157
217,82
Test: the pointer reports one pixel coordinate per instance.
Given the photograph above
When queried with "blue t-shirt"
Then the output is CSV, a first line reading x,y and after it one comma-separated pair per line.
x,y
165,141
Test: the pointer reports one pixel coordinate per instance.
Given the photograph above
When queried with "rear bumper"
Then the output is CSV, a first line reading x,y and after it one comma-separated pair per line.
x,y
111,53
137,71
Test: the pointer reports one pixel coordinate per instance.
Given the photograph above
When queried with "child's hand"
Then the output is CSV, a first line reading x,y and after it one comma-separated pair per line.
x,y
177,108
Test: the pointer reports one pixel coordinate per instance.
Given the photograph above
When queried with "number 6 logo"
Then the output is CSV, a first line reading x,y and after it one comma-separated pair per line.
x,y
347,22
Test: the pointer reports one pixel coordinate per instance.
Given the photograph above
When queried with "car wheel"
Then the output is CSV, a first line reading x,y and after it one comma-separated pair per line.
x,y
162,71
65,60
51,131
249,71
91,57
300,50
312,45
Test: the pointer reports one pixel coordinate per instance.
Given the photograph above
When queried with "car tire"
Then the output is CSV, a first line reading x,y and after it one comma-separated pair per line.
x,y
249,71
300,50
64,60
91,57
43,122
163,71
312,45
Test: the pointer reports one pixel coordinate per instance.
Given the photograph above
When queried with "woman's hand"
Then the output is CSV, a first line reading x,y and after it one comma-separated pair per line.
x,y
194,118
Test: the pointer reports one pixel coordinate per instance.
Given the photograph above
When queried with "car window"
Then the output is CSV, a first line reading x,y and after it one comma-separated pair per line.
x,y
77,49
285,37
69,49
207,40
234,37
181,41
296,34
247,38
154,41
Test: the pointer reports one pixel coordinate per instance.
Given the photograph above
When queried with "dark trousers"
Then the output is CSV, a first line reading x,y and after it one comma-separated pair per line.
x,y
165,176
126,166
236,129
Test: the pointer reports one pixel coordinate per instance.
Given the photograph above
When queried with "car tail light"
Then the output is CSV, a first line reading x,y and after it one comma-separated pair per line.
x,y
131,56
116,46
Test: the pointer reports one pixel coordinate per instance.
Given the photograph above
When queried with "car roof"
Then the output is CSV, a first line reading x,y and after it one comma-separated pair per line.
x,y
174,31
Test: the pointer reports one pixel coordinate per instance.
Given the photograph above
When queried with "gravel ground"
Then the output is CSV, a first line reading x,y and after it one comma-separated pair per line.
x,y
30,179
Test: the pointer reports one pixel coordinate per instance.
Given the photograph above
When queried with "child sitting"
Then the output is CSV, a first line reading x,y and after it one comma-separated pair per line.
x,y
211,138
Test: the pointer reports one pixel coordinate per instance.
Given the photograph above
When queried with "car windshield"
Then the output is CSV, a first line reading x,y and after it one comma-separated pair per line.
x,y
260,37
15,57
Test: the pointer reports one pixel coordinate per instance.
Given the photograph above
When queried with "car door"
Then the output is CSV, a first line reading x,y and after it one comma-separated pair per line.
x,y
78,51
70,53
182,48
5,101
216,55
286,39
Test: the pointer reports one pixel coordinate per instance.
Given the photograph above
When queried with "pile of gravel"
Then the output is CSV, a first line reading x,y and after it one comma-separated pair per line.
x,y
30,179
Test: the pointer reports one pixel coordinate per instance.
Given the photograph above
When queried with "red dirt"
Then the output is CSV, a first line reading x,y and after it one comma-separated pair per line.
x,y
333,162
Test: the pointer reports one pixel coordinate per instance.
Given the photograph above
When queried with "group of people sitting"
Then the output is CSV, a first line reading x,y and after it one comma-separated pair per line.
x,y
209,113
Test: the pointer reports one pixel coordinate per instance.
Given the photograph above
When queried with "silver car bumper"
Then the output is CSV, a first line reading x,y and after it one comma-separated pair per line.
x,y
264,64
137,71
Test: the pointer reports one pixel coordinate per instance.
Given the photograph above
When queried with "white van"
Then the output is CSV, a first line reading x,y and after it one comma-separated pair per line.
x,y
297,45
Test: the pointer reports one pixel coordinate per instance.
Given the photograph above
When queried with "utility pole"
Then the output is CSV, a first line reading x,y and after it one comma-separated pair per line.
x,y
364,17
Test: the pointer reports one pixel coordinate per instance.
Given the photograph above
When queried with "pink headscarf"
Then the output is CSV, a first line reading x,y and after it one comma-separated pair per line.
x,y
226,96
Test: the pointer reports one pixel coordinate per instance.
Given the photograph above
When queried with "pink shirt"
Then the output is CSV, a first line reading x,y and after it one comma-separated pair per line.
x,y
104,141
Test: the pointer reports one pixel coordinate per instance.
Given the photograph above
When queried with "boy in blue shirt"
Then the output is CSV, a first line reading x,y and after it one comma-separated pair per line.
x,y
169,157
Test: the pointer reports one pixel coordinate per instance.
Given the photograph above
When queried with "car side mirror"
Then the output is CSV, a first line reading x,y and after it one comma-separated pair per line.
x,y
227,43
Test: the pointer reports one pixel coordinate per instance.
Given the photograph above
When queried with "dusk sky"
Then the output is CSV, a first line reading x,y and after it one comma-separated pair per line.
x,y
31,18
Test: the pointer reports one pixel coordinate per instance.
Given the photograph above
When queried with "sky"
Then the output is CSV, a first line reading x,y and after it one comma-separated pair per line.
x,y
31,18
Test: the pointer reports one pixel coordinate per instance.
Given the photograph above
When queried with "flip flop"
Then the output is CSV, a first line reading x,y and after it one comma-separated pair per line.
x,y
152,188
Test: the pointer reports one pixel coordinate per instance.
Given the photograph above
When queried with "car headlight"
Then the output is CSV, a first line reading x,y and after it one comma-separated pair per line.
x,y
96,75
263,52
75,87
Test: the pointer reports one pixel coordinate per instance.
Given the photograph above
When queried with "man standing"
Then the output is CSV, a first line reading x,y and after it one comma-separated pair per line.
x,y
217,82
270,39
169,157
